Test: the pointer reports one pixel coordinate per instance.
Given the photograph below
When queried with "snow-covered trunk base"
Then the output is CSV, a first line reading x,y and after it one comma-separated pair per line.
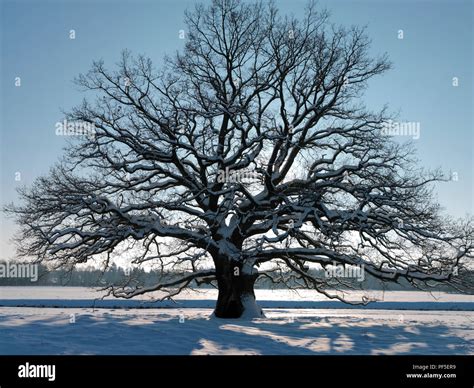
x,y
236,293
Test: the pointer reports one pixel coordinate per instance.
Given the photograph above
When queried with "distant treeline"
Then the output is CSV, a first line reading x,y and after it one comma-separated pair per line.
x,y
115,275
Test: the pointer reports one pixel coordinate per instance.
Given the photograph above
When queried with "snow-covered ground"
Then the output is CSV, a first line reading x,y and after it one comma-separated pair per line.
x,y
289,327
88,297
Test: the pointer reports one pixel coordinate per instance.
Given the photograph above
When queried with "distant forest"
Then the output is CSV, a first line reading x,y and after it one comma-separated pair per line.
x,y
116,275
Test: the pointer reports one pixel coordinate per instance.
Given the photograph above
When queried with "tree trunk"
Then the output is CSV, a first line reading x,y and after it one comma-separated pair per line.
x,y
236,292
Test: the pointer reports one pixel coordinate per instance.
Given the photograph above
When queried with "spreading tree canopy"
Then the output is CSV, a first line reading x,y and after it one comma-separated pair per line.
x,y
249,153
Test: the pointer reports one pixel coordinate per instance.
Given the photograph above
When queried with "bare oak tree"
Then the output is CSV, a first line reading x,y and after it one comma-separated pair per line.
x,y
248,154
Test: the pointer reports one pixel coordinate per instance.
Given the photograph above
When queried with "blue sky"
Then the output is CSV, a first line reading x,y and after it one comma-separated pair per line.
x,y
36,46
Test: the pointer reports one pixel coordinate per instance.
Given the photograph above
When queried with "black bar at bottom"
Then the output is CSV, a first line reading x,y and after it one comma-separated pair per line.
x,y
246,371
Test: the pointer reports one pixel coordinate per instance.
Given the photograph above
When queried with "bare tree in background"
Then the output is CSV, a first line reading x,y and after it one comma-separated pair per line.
x,y
249,154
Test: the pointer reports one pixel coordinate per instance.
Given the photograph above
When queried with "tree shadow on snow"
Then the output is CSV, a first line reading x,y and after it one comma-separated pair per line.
x,y
186,332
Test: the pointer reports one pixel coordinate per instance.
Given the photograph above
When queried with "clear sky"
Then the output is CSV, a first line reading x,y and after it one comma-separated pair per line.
x,y
35,46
